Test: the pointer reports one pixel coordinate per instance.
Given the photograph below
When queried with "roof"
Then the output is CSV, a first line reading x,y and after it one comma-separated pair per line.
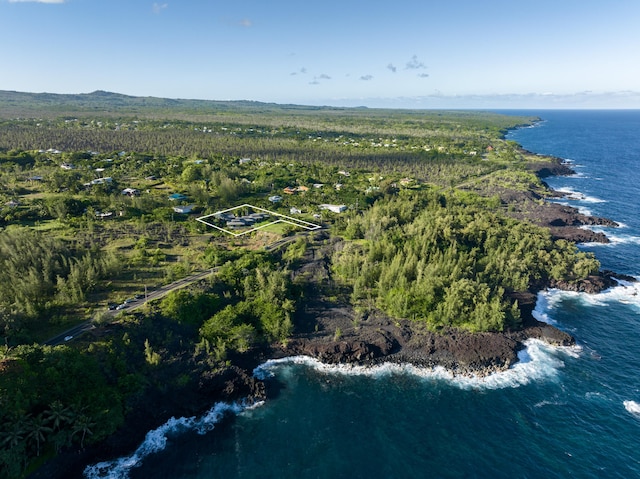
x,y
177,196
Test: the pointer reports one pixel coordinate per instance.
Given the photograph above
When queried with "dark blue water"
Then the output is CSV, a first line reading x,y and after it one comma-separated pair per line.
x,y
559,413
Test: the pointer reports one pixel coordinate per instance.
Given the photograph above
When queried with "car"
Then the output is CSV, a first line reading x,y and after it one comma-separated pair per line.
x,y
122,306
68,338
112,306
129,300
139,296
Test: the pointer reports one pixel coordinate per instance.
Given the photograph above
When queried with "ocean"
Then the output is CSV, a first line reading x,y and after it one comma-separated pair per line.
x,y
558,413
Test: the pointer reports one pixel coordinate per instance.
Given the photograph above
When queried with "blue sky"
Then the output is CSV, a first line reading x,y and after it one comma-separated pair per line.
x,y
402,53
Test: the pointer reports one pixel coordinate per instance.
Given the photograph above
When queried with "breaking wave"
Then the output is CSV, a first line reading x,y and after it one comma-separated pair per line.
x,y
626,292
632,407
157,440
537,361
614,238
572,194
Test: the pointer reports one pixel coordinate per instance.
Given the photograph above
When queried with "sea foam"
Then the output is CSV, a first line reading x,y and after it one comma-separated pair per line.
x,y
625,292
537,361
614,238
572,194
633,407
157,439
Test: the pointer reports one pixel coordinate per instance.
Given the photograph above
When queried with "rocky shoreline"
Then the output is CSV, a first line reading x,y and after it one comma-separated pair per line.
x,y
363,340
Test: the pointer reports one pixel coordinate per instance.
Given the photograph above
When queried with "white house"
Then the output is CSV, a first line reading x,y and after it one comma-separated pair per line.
x,y
184,209
334,208
102,181
275,199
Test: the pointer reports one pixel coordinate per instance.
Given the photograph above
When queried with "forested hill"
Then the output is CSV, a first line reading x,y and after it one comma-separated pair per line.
x,y
52,105
102,101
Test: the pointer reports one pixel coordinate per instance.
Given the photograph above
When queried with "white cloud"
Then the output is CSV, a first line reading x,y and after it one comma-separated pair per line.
x,y
158,7
37,1
366,77
392,67
245,22
414,64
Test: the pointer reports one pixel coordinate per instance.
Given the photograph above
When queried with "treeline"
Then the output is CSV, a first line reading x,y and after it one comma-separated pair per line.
x,y
39,274
450,260
63,398
421,148
52,398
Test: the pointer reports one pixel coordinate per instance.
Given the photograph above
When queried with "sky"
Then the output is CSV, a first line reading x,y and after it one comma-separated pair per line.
x,y
393,53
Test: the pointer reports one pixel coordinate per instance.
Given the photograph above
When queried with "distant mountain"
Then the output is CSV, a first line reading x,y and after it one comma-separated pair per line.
x,y
21,104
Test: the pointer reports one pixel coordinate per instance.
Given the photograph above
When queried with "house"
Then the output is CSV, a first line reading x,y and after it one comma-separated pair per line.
x,y
67,166
224,216
318,185
102,181
12,204
294,211
289,190
243,161
177,197
302,188
236,224
258,216
130,192
275,199
334,208
344,173
185,210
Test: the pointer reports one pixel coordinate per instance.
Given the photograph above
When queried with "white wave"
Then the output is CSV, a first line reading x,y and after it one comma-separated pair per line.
x,y
581,209
577,174
549,403
633,407
572,194
156,440
625,292
614,238
594,395
538,361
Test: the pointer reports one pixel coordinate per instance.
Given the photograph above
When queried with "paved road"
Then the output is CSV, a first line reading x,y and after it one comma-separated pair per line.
x,y
76,331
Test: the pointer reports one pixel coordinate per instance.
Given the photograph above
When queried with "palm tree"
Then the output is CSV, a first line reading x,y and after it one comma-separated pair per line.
x,y
83,424
37,427
58,414
14,434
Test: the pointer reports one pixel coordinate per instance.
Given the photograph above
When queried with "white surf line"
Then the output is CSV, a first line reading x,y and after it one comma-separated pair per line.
x,y
286,219
157,439
574,195
538,361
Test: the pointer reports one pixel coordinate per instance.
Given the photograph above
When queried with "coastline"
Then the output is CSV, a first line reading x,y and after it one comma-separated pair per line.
x,y
370,340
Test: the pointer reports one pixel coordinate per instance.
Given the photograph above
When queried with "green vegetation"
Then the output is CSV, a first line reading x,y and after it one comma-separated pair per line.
x,y
443,260
88,219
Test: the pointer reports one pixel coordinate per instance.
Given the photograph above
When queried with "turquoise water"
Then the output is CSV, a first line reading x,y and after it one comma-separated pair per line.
x,y
560,412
